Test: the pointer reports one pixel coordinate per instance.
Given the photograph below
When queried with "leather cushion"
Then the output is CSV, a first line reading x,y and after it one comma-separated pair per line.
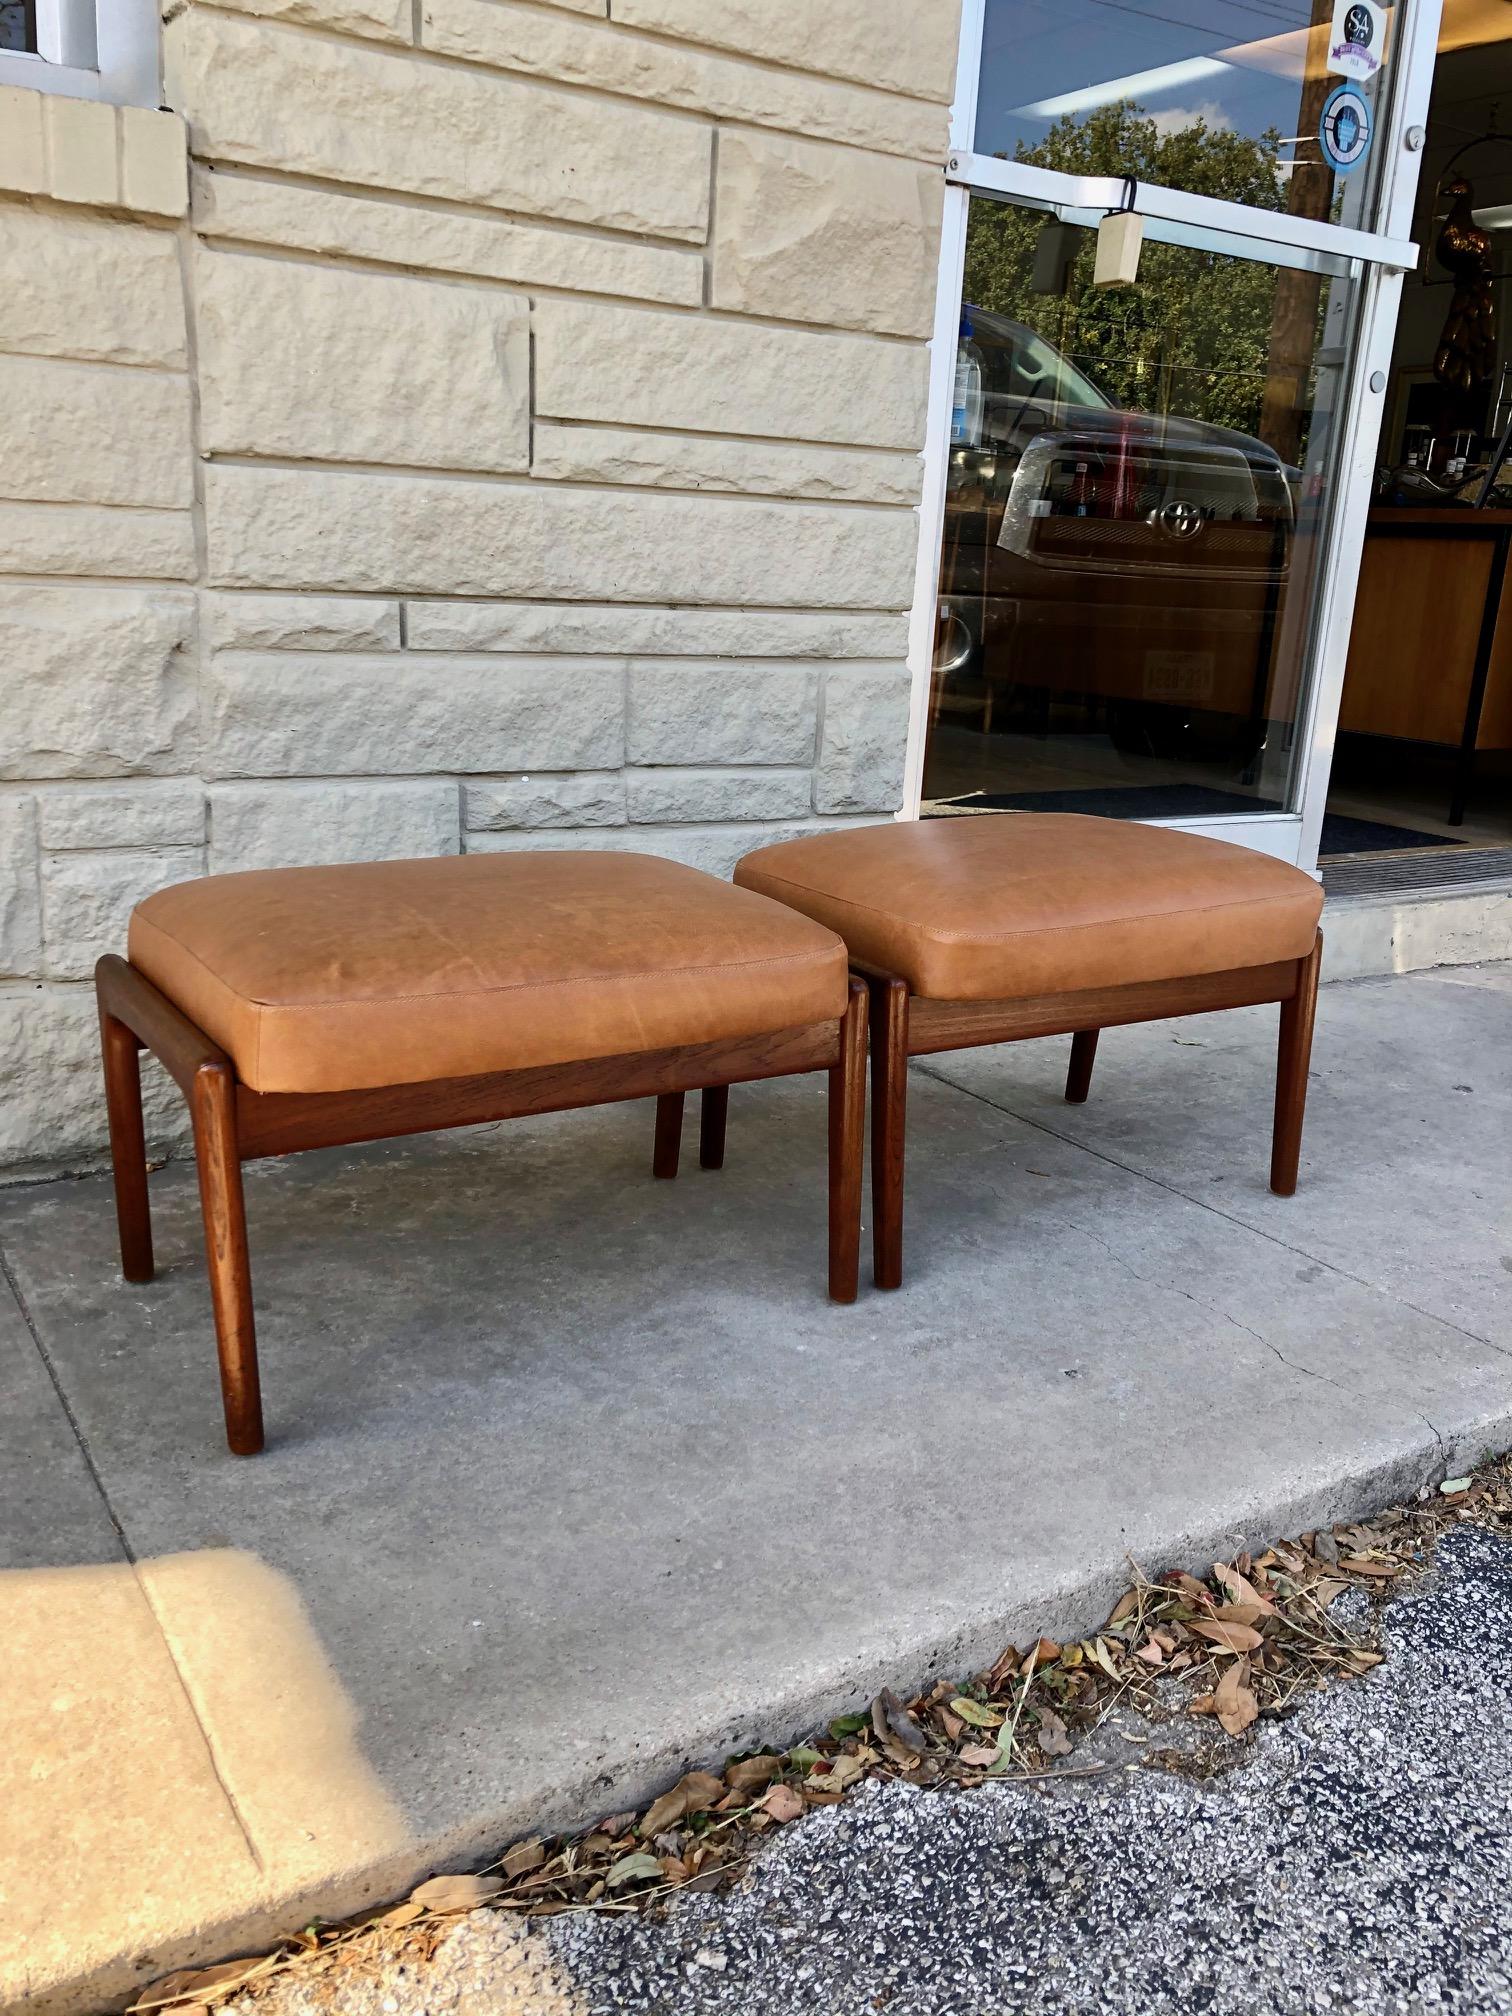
x,y
394,972
1001,906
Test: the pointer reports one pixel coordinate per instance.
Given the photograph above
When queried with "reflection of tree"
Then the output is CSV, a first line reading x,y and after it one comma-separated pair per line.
x,y
1194,335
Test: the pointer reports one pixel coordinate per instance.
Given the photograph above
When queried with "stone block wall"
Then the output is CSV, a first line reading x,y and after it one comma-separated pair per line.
x,y
454,425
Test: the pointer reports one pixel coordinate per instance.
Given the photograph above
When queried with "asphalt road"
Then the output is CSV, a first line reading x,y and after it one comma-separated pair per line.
x,y
1357,1857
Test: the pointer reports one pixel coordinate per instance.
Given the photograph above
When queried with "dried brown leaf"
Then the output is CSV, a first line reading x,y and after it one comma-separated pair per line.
x,y
751,1773
1239,1589
528,1855
978,1755
1232,1637
1233,1701
1002,1668
1053,1739
896,1728
782,1803
456,1893
695,1793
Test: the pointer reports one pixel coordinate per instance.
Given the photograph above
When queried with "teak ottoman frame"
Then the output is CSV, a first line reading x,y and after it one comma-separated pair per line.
x,y
234,1124
905,1025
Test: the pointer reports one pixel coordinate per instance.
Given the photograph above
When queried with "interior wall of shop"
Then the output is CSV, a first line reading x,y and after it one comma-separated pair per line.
x,y
1468,94
456,425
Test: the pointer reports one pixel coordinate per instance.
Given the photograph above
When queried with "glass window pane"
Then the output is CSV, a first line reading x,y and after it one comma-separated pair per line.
x,y
1137,485
1217,97
18,25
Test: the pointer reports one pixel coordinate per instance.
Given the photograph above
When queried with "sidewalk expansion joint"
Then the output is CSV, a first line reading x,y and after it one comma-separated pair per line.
x,y
62,1398
129,1553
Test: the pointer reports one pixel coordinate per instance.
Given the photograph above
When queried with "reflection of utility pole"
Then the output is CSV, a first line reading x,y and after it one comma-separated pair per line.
x,y
1294,318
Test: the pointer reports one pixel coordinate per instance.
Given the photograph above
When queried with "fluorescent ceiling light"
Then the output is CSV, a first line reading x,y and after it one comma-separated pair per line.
x,y
1496,217
1169,77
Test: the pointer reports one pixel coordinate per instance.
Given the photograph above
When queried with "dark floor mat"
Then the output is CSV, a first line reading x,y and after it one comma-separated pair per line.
x,y
1342,834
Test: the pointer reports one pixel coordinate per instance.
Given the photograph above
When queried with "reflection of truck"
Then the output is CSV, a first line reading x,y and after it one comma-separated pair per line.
x,y
1121,560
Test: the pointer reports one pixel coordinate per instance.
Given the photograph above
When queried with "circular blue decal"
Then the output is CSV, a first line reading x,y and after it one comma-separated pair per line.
x,y
1345,129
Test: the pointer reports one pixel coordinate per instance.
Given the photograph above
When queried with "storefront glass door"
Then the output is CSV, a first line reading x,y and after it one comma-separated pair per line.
x,y
1147,498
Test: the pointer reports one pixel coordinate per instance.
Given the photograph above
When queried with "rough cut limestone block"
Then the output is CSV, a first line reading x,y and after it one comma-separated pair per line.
x,y
105,292
23,147
90,434
289,715
901,45
393,233
863,740
550,798
87,901
154,161
389,20
95,539
608,57
96,682
654,633
580,798
303,825
82,155
675,797
714,849
20,888
274,98
167,814
721,713
636,367
330,365
825,234
300,623
278,528
752,468
52,1112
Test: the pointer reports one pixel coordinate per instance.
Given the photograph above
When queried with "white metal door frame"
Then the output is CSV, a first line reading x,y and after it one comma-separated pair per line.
x,y
1383,255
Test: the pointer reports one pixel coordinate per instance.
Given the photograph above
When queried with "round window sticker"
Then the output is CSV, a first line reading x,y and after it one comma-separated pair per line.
x,y
1345,129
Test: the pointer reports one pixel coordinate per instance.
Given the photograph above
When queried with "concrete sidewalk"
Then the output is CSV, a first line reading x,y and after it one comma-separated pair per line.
x,y
574,1476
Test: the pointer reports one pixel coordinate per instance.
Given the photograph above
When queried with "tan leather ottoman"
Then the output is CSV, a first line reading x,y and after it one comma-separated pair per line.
x,y
991,927
306,1007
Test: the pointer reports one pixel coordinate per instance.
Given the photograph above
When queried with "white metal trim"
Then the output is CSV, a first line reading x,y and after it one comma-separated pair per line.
x,y
1292,835
66,33
931,514
108,50
989,174
1339,565
1413,55
1279,834
963,110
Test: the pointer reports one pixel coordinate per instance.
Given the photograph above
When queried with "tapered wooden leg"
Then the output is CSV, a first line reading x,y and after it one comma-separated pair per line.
x,y
713,1111
669,1122
889,1087
847,1132
212,1103
1079,1074
128,1145
1293,1053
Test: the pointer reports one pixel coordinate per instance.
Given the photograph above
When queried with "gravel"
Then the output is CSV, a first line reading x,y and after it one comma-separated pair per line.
x,y
1354,1857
